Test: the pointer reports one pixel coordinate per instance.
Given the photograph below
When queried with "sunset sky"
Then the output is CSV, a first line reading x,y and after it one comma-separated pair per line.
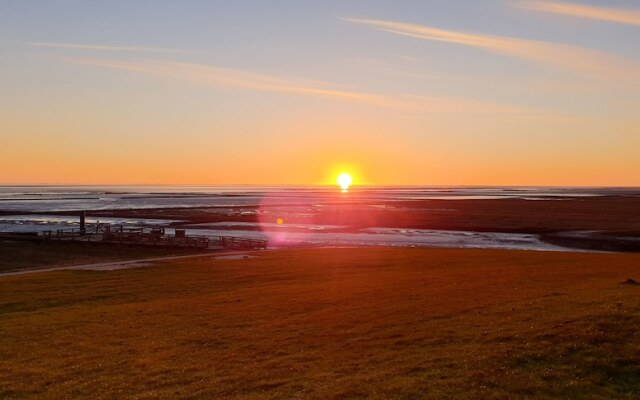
x,y
432,92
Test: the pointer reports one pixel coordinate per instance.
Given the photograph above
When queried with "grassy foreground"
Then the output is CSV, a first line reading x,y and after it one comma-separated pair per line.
x,y
21,255
329,323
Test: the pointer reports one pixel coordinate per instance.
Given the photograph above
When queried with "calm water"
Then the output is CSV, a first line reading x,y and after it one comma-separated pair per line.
x,y
63,198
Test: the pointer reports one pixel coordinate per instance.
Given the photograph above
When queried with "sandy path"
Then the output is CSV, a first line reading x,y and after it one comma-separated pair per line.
x,y
113,265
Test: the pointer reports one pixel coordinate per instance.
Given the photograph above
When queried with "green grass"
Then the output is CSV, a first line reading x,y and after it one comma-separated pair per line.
x,y
17,255
329,324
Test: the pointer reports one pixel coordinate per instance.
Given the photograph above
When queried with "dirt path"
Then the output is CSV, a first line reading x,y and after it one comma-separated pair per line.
x,y
113,265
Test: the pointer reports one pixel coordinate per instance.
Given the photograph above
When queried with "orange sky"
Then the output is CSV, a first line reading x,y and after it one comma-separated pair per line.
x,y
482,93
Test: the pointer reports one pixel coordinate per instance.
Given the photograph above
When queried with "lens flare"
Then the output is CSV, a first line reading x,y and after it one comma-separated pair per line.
x,y
344,181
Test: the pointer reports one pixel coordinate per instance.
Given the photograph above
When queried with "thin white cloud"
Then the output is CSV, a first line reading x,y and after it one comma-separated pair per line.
x,y
227,77
628,16
572,58
78,46
234,78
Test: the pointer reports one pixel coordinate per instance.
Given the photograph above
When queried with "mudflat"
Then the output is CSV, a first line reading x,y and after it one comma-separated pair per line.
x,y
329,323
616,214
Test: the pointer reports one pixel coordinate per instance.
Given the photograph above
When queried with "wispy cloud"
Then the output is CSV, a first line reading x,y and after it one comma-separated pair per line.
x,y
234,78
78,46
619,15
447,105
227,77
569,57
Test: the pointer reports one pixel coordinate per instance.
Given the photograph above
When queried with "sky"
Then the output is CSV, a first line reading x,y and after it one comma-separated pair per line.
x,y
402,92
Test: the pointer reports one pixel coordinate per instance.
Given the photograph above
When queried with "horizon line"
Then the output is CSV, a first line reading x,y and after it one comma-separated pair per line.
x,y
314,185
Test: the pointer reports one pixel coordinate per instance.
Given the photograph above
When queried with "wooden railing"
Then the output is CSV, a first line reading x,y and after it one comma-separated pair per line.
x,y
155,237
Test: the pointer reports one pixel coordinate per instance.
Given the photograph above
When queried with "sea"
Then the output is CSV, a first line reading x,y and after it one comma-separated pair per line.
x,y
19,206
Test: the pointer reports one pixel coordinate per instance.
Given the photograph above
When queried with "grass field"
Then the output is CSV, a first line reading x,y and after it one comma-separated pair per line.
x,y
329,323
20,255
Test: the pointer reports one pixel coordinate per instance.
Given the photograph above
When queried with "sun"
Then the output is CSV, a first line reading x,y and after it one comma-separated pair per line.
x,y
344,181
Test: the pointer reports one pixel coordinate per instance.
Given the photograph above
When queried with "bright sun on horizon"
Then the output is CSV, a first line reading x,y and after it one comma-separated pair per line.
x,y
344,180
